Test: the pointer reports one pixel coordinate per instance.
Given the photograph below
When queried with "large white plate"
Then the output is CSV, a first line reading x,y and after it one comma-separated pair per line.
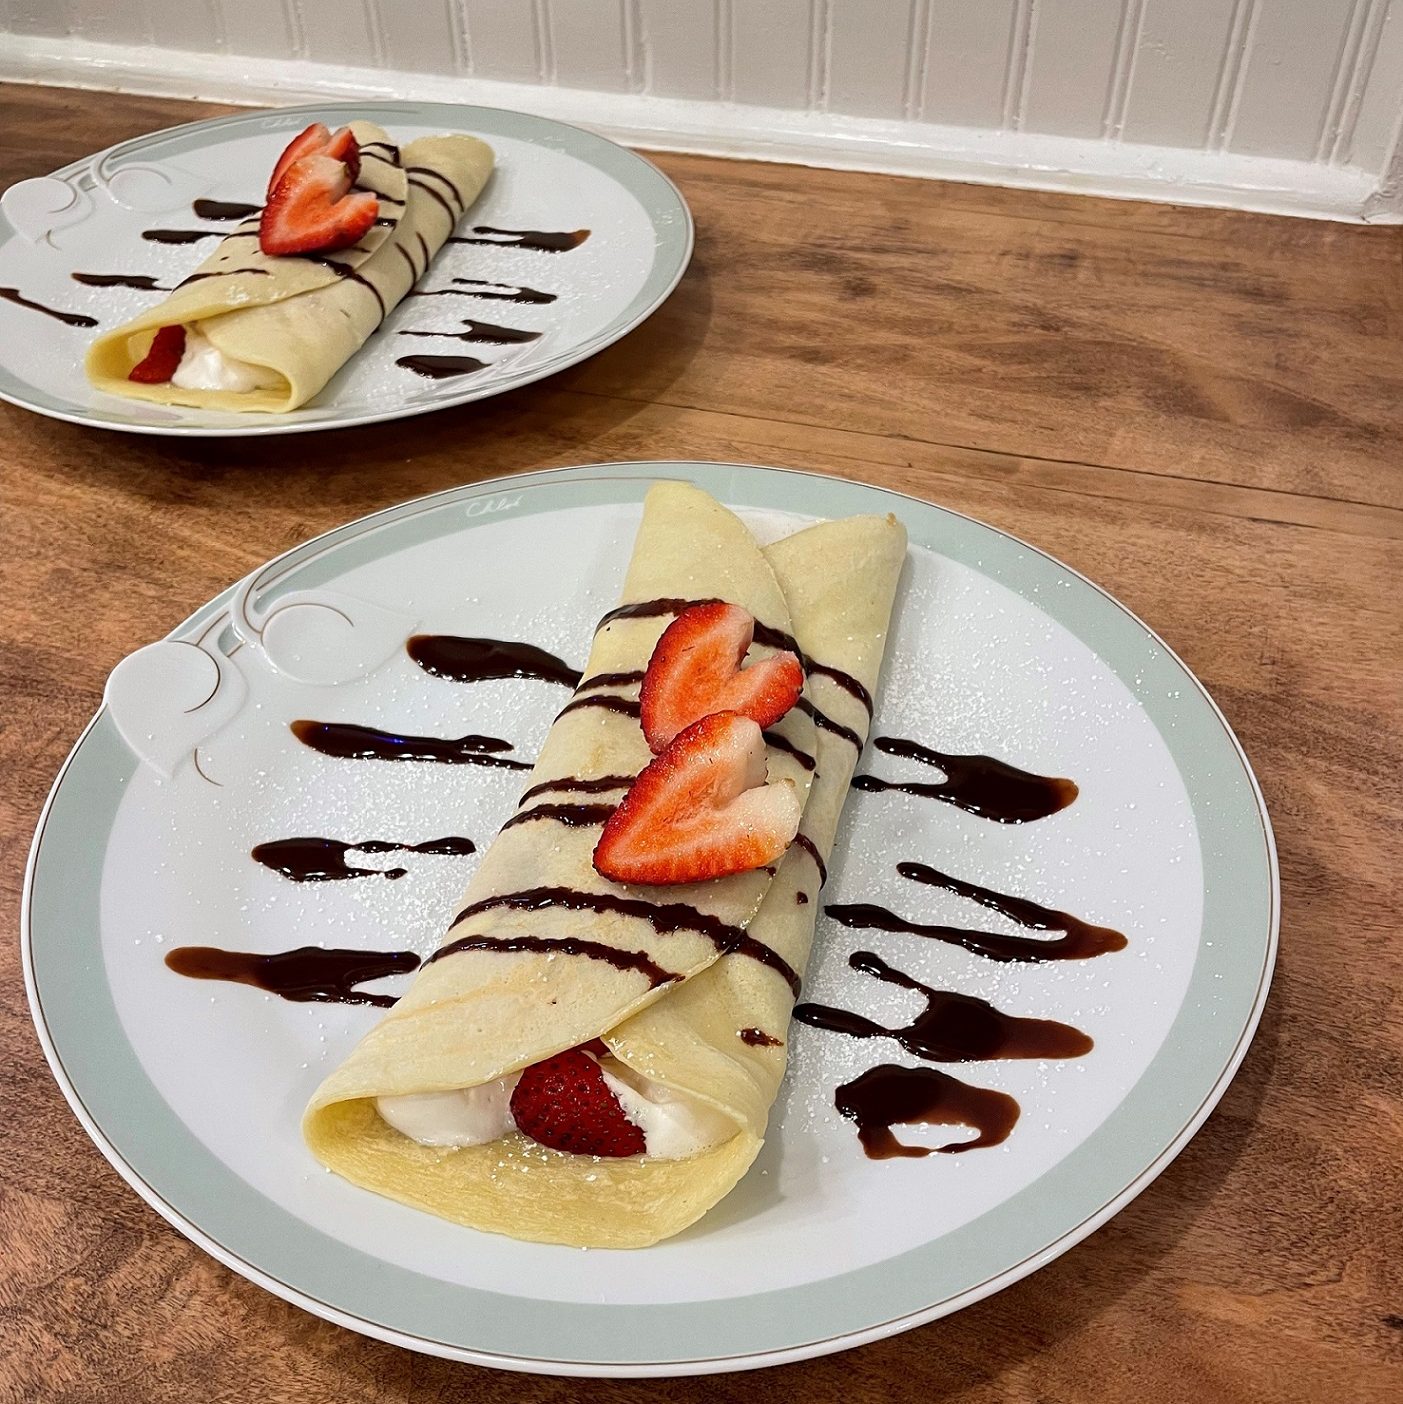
x,y
194,1089
90,218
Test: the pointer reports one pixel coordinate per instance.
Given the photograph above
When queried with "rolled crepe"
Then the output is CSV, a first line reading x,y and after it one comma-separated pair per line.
x,y
304,316
476,1015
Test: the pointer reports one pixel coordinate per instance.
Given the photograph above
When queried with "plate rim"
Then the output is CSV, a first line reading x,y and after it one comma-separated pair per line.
x,y
640,470
262,426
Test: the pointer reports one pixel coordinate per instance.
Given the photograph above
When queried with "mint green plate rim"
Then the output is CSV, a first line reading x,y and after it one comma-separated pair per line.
x,y
661,200
151,1148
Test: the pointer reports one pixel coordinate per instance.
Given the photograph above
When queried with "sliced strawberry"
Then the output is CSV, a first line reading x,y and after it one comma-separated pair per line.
x,y
318,140
701,810
160,362
313,211
696,670
565,1103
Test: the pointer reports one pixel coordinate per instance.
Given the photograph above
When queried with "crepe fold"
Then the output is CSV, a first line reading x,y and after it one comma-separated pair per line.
x,y
304,316
479,1009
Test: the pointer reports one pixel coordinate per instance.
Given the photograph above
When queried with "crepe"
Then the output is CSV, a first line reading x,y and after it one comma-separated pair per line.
x,y
305,316
474,1016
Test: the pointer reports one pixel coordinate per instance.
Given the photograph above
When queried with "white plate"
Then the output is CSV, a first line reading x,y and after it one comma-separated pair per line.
x,y
90,218
194,1089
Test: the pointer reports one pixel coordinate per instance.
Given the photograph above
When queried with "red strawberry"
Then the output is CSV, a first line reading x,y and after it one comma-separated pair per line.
x,y
565,1103
701,810
318,140
314,211
159,363
696,670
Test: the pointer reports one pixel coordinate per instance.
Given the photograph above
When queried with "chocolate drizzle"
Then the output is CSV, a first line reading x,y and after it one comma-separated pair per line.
x,y
143,282
1079,940
640,961
576,816
811,848
783,743
758,1038
180,236
69,319
952,1028
571,786
890,1095
627,679
308,974
441,367
980,784
624,706
344,270
225,273
436,194
223,209
351,742
846,681
470,660
324,859
666,918
541,240
493,292
486,333
826,723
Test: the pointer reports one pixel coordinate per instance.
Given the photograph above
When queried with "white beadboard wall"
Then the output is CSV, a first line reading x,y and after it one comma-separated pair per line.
x,y
1287,105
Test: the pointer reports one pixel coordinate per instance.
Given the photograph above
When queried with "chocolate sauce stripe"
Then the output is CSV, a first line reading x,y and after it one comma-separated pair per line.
x,y
783,743
981,785
666,918
807,844
622,706
350,741
1079,940
469,660
627,679
619,958
309,974
952,1028
572,815
571,784
890,1095
825,722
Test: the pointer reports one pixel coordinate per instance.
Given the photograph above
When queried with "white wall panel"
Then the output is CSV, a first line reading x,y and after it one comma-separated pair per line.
x,y
423,37
770,51
1290,63
1281,101
1374,132
502,39
589,44
966,62
1072,64
258,28
679,48
866,66
1183,45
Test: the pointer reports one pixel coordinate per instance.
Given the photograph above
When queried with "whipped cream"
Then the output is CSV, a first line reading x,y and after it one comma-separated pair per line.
x,y
674,1125
205,367
466,1116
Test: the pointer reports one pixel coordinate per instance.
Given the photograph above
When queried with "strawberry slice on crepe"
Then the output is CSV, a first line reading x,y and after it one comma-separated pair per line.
x,y
696,670
314,210
318,140
565,1103
701,810
161,361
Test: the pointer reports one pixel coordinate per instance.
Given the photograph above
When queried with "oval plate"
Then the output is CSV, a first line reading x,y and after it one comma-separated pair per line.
x,y
90,217
193,1090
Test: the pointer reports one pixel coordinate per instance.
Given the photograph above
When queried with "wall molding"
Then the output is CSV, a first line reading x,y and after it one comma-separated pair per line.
x,y
990,156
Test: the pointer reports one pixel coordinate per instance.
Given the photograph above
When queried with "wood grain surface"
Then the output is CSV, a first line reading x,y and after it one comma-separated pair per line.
x,y
1200,410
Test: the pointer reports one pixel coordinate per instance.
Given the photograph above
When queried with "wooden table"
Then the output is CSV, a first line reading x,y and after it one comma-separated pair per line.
x,y
1200,410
